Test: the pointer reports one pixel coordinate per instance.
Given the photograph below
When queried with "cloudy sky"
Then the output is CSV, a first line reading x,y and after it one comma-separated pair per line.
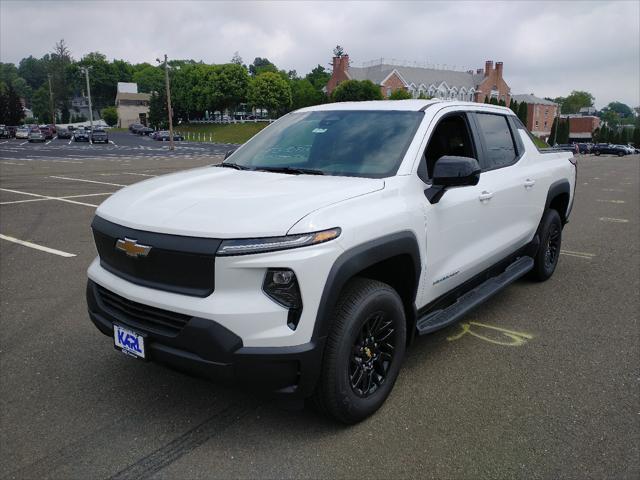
x,y
548,48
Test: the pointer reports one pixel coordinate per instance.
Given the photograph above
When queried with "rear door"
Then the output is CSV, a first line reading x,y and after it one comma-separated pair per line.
x,y
507,185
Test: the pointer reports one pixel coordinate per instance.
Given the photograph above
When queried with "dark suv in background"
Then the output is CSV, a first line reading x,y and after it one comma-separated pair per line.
x,y
609,149
98,135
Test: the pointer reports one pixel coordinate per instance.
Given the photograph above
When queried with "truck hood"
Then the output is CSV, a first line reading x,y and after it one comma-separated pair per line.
x,y
226,203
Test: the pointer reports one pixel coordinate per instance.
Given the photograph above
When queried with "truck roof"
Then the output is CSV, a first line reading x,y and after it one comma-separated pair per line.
x,y
414,105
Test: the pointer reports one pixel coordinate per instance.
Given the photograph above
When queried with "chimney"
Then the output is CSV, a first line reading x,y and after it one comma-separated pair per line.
x,y
479,71
488,66
499,69
340,64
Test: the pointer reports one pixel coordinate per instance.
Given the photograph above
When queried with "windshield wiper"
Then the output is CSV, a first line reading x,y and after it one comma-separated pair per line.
x,y
292,170
232,165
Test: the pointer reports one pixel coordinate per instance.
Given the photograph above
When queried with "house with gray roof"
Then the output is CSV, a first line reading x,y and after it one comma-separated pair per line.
x,y
425,81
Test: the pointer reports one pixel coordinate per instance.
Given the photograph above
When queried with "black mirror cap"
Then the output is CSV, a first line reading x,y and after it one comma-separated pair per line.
x,y
228,154
450,171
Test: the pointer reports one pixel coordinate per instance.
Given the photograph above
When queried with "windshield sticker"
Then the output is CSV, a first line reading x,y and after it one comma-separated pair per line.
x,y
319,130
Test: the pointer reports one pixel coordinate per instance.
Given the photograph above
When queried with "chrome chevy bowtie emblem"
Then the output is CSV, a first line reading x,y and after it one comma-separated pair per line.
x,y
132,248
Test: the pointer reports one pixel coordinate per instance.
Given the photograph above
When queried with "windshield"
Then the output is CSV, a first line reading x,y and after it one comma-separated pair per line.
x,y
340,142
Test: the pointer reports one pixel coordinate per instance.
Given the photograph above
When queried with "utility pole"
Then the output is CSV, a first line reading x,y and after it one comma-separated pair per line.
x,y
166,78
53,115
85,70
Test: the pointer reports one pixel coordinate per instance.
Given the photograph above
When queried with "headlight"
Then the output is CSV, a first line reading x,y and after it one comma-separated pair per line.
x,y
272,244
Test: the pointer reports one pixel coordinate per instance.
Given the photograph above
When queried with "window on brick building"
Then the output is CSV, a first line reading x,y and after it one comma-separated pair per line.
x,y
388,91
537,124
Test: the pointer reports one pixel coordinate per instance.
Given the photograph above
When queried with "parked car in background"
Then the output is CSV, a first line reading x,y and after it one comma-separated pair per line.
x,y
81,135
36,135
99,136
144,131
53,128
46,131
4,132
71,128
133,128
609,149
584,147
630,150
22,132
64,133
164,136
11,129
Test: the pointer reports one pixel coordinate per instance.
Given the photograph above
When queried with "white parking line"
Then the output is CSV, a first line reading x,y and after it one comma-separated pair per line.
x,y
112,142
24,142
611,201
614,220
140,174
71,140
2,143
88,181
37,247
47,143
49,198
57,198
584,255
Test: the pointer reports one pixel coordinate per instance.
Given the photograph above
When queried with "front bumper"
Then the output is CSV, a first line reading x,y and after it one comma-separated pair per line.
x,y
207,349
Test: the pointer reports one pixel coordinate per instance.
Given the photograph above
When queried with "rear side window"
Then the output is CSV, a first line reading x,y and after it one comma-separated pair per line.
x,y
501,150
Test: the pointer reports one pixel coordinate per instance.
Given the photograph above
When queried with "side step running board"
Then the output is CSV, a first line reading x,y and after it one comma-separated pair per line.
x,y
441,318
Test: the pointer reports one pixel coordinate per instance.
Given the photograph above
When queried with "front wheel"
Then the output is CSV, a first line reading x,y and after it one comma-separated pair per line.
x,y
546,259
597,154
364,351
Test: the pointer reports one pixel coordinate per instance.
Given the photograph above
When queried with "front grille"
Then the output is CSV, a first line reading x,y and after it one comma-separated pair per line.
x,y
144,317
175,263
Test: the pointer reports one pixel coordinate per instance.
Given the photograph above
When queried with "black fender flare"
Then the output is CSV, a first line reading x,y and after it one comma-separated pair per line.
x,y
356,259
557,188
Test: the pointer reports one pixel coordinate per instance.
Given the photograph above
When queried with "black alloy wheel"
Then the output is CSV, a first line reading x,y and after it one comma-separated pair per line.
x,y
372,355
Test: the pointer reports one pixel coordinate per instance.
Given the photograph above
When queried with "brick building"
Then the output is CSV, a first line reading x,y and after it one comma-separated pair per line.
x,y
581,127
540,114
438,83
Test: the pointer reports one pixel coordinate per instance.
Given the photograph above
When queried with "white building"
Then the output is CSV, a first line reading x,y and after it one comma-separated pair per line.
x,y
133,107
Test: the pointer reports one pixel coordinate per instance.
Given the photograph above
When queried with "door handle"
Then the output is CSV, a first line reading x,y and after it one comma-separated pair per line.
x,y
529,183
485,196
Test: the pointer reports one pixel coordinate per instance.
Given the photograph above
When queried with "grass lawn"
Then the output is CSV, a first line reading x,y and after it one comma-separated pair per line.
x,y
221,133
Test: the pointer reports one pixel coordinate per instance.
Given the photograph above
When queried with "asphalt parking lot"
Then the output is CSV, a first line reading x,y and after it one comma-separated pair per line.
x,y
542,382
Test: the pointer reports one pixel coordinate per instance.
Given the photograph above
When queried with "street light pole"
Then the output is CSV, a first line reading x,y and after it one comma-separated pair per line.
x,y
85,70
53,116
169,111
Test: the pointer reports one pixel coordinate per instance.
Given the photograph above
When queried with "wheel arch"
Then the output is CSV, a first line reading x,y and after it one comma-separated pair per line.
x,y
393,259
558,198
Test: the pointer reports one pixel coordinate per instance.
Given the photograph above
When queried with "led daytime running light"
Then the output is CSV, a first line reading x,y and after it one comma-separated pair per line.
x,y
271,244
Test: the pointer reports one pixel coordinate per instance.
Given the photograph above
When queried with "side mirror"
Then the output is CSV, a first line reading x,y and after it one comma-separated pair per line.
x,y
228,154
450,171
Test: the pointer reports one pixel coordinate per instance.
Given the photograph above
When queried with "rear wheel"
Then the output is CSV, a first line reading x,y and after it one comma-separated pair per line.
x,y
364,351
548,254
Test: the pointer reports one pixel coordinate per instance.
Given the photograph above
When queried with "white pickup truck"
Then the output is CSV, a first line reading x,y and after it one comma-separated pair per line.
x,y
306,262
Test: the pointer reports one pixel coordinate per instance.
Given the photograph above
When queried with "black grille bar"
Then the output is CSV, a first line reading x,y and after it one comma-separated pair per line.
x,y
144,317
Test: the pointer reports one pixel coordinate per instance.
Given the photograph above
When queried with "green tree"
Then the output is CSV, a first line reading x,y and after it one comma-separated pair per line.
x,y
230,86
261,65
14,110
523,112
513,105
400,94
502,103
486,99
318,77
148,77
110,115
34,71
620,108
635,138
563,131
338,51
269,90
122,71
610,117
552,135
103,79
356,91
40,104
576,100
158,117
303,94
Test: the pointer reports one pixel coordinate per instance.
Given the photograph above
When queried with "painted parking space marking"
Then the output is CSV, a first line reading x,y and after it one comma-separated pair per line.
x,y
585,255
56,198
611,201
614,220
139,174
484,331
88,181
66,200
35,246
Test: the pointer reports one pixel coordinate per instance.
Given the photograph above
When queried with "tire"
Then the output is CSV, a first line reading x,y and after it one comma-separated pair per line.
x,y
596,153
620,154
358,373
546,259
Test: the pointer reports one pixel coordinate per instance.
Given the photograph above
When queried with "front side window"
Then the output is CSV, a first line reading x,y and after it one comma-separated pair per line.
x,y
499,142
450,137
352,143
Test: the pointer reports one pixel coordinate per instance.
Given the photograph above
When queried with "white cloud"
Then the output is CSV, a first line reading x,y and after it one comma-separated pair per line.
x,y
549,48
